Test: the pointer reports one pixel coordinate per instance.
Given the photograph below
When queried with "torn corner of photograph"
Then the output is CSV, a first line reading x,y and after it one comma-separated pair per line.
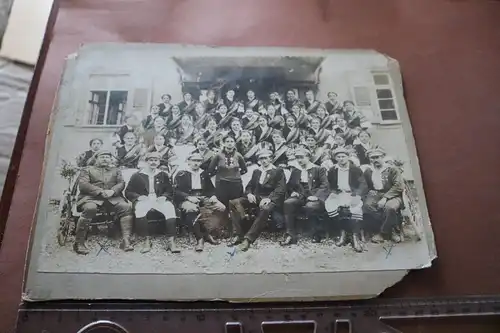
x,y
237,174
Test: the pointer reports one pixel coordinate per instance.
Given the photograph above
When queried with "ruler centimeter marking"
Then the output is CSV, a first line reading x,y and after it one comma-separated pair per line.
x,y
361,316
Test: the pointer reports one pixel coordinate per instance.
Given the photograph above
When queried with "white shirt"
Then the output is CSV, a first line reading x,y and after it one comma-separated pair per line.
x,y
196,179
304,173
378,184
263,174
151,180
343,179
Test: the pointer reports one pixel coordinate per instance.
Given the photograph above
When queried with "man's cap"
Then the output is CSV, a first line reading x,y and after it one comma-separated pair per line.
x,y
103,152
302,152
340,150
375,152
264,153
153,154
195,157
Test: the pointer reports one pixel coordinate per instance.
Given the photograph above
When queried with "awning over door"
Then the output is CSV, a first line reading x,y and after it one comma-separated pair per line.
x,y
245,68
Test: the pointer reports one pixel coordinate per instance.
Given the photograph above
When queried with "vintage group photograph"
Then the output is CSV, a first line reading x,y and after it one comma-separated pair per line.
x,y
233,164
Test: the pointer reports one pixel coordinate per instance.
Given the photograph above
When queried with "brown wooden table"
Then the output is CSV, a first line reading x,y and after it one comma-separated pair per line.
x,y
449,52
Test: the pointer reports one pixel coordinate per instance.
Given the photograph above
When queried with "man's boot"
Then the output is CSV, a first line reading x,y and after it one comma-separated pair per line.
x,y
172,246
288,240
356,243
342,239
126,226
235,241
245,245
199,245
80,233
146,245
141,224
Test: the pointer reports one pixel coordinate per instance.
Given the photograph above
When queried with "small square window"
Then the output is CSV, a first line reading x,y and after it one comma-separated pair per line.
x,y
381,79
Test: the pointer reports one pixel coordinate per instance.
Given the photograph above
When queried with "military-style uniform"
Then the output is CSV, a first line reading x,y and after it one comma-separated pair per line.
x,y
93,182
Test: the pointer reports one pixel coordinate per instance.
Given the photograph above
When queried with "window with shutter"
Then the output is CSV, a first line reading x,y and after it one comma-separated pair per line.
x,y
362,96
140,98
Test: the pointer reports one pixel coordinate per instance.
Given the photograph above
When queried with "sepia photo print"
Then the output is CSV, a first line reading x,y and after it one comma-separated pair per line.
x,y
183,172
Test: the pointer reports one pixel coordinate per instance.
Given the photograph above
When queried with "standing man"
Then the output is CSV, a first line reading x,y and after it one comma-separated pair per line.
x,y
308,188
348,189
101,185
385,196
195,195
266,192
150,189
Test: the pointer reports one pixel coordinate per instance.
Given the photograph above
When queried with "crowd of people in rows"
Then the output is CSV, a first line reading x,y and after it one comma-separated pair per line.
x,y
250,160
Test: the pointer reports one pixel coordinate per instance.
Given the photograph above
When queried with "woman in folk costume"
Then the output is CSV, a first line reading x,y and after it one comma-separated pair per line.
x,y
323,136
230,102
362,145
291,132
333,106
132,124
301,118
326,121
174,121
245,144
165,150
205,152
188,105
353,117
87,157
130,153
280,158
211,103
186,131
277,103
159,128
236,129
264,131
148,122
211,133
318,152
277,123
348,133
250,120
223,116
200,116
165,105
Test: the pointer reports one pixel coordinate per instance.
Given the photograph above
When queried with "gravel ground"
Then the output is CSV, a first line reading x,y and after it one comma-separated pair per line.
x,y
265,256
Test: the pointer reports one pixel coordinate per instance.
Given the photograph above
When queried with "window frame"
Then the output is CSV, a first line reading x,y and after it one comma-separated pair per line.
x,y
376,99
106,110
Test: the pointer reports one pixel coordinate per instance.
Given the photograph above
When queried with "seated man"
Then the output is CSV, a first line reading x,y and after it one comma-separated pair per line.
x,y
195,195
102,184
265,191
385,196
348,188
308,188
150,189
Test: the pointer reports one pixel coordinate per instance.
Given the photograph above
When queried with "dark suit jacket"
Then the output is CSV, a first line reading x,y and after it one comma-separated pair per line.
x,y
318,183
274,186
93,180
391,179
139,185
356,180
184,188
